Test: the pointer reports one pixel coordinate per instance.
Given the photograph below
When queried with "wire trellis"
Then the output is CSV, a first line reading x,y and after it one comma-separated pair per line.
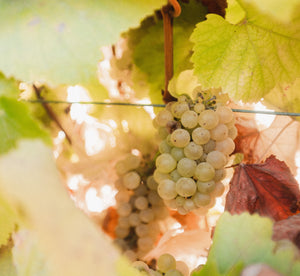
x,y
266,112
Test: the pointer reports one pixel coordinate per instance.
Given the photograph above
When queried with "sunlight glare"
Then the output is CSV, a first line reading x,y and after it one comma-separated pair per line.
x,y
263,120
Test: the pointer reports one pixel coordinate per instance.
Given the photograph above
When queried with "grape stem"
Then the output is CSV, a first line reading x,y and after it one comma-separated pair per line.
x,y
169,11
50,112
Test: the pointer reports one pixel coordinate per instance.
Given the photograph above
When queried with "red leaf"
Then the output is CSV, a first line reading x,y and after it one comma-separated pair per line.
x,y
288,229
268,188
110,222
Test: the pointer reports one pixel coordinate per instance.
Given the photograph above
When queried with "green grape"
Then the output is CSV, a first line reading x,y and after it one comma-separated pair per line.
x,y
134,219
146,215
206,187
225,114
186,167
173,272
177,153
208,119
204,172
163,117
180,138
201,199
151,183
186,187
217,159
166,262
167,189
165,163
225,146
189,119
193,151
141,203
200,135
219,133
131,180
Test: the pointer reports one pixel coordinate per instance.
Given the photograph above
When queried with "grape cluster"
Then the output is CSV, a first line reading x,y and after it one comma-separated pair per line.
x,y
139,207
197,141
166,265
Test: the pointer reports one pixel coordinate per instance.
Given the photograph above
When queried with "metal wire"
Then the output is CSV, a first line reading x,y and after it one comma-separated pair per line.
x,y
266,112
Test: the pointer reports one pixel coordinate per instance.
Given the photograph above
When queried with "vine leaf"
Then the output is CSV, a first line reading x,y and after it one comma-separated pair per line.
x,y
268,188
249,239
246,59
256,144
288,229
285,97
59,41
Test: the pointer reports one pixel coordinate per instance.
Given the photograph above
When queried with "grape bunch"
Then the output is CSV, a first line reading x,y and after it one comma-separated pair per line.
x,y
197,141
139,207
166,265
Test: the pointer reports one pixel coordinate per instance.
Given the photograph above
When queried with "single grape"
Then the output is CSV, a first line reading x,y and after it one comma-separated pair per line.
x,y
141,190
177,153
146,215
122,196
180,138
158,176
183,268
193,151
166,262
131,180
219,175
200,135
201,199
164,147
163,117
225,114
141,203
154,198
219,133
219,189
132,161
165,163
175,175
154,273
232,132
186,187
163,133
151,183
134,219
186,167
206,187
199,107
179,201
167,189
141,266
226,146
179,108
124,209
121,167
142,230
217,159
189,204
209,146
204,172
208,119
189,119
231,123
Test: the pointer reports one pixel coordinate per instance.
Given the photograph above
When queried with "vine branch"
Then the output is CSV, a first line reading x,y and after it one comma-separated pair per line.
x,y
50,112
169,11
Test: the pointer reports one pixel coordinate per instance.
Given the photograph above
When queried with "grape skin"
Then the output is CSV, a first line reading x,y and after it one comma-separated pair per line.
x,y
180,138
186,187
204,171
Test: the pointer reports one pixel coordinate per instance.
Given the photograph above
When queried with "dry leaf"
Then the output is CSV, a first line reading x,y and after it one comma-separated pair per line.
x,y
281,139
268,188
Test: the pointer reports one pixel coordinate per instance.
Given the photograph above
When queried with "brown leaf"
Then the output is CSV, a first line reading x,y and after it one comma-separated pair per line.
x,y
268,188
288,229
215,6
110,222
280,139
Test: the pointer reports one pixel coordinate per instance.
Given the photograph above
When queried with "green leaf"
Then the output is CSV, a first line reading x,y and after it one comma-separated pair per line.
x,y
7,267
285,97
247,59
16,123
69,240
145,54
280,9
8,87
8,221
59,41
247,239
